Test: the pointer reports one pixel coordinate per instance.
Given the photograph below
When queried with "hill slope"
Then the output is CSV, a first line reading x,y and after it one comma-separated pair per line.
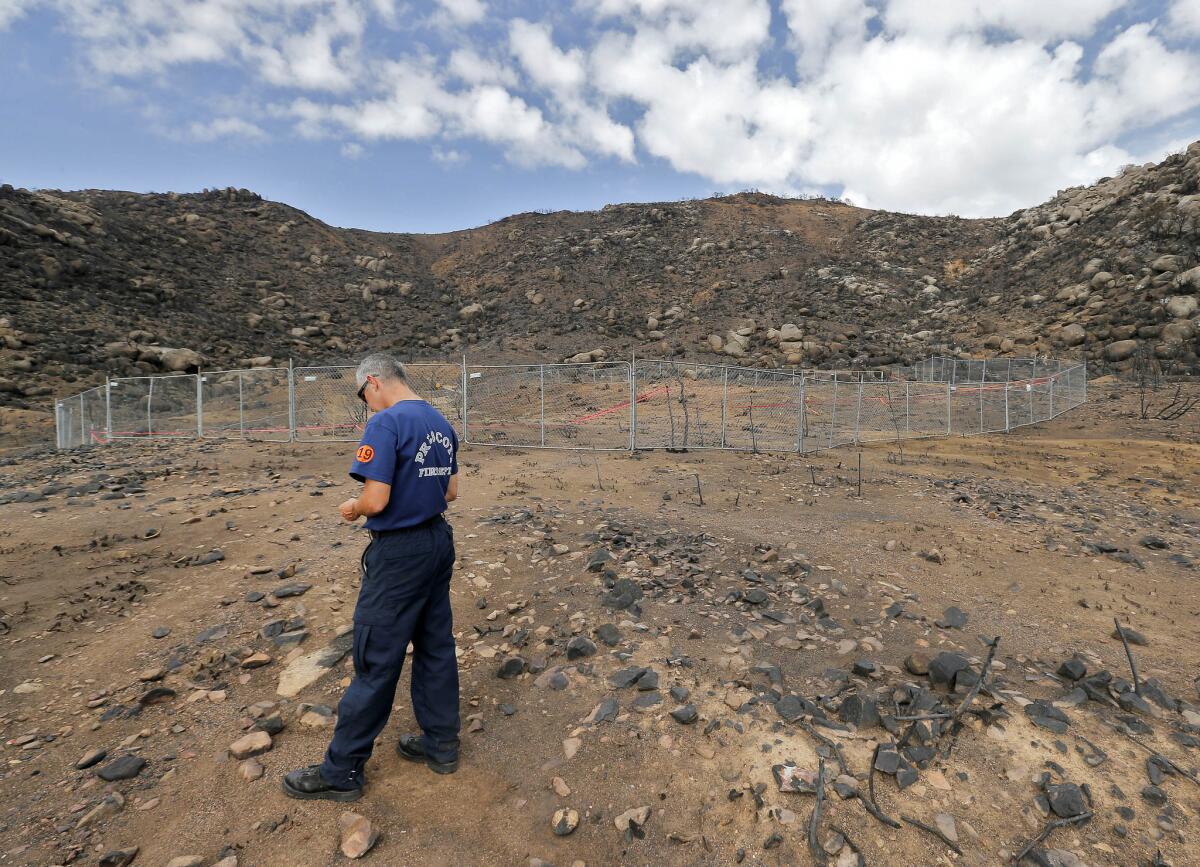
x,y
96,282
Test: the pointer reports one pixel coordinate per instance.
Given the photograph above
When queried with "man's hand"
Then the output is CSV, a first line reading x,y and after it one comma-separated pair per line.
x,y
349,510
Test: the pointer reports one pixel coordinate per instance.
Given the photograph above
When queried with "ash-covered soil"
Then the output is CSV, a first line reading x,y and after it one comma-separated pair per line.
x,y
667,662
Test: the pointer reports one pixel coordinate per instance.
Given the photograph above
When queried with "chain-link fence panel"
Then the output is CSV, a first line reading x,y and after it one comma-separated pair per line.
x,y
504,405
94,415
1042,400
587,405
549,405
883,412
993,398
964,409
682,405
441,385
817,416
928,409
1073,382
75,420
763,409
326,405
246,404
831,410
154,406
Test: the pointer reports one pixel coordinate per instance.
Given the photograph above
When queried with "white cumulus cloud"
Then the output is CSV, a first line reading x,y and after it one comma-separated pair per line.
x,y
224,127
974,107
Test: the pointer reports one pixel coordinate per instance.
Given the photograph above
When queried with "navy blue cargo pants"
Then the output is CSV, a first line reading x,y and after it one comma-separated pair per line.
x,y
405,597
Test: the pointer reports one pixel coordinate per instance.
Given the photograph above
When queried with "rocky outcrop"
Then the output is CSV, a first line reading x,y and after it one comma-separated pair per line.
x,y
98,282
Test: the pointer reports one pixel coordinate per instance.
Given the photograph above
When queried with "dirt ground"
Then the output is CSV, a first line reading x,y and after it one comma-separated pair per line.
x,y
785,581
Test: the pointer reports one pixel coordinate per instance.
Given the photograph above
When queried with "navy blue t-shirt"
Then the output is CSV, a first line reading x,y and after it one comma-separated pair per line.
x,y
411,447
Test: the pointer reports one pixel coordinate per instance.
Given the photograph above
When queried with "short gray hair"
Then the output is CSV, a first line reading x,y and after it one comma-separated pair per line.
x,y
382,366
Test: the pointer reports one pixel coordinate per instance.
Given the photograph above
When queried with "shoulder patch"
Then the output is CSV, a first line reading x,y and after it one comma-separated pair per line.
x,y
364,454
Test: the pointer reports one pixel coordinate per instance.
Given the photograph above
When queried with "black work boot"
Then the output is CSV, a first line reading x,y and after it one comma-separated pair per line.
x,y
412,748
307,784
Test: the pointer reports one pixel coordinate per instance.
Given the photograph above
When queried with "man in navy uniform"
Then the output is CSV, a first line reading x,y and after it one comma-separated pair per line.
x,y
408,464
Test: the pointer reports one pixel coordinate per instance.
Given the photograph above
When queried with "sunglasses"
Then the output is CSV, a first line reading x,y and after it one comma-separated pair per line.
x,y
363,388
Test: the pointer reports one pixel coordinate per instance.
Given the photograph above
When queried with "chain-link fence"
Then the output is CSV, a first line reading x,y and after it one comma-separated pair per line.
x,y
549,405
154,407
246,404
602,406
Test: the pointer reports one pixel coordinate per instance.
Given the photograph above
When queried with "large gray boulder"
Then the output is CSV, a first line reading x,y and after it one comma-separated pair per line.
x,y
1073,335
180,360
1120,350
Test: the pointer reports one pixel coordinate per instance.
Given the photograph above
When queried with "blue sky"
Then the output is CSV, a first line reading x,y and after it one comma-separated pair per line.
x,y
399,116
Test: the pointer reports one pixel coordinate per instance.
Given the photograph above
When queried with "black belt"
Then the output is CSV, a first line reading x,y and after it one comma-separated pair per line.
x,y
428,522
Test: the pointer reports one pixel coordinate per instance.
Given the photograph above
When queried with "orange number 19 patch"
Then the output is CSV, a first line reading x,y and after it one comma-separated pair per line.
x,y
364,454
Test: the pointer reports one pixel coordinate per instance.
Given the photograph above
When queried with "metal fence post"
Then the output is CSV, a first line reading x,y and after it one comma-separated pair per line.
x,y
542,409
1007,386
199,404
981,406
149,414
949,388
291,401
833,409
858,412
633,400
724,402
800,418
465,405
907,409
107,410
241,408
1052,395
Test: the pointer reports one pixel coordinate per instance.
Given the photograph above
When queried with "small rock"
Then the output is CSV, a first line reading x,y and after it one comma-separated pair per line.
x,y
123,768
1131,635
685,714
859,711
636,816
91,757
249,745
598,560
289,590
565,821
1066,800
109,806
952,618
1047,716
118,857
358,834
917,663
944,667
580,647
256,660
511,667
157,695
1073,668
251,770
608,634
560,787
945,824
317,716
